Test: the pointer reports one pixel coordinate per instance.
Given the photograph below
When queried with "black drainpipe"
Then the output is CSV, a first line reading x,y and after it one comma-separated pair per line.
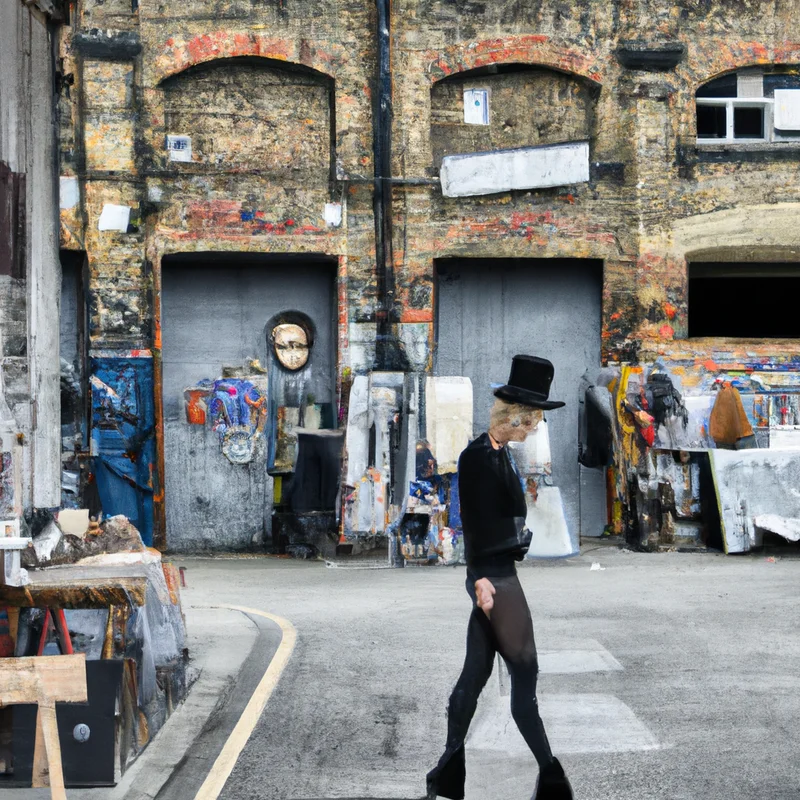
x,y
389,353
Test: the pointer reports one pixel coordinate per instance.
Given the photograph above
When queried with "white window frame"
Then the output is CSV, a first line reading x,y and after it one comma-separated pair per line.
x,y
730,103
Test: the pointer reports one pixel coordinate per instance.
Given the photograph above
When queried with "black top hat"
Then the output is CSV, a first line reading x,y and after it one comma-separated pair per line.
x,y
529,383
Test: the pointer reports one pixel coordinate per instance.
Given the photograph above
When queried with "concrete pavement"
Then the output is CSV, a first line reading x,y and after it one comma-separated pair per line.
x,y
663,676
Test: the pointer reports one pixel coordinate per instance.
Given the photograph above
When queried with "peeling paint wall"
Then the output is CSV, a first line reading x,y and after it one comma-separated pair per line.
x,y
29,290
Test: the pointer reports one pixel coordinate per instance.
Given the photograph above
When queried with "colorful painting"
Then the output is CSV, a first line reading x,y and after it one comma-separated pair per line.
x,y
236,408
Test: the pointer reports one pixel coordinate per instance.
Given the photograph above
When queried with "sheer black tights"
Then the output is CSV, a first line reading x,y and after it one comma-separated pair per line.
x,y
509,632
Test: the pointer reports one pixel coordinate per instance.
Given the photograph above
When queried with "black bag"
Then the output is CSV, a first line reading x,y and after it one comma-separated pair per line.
x,y
664,399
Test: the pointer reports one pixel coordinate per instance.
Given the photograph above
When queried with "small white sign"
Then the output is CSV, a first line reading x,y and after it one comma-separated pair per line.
x,y
333,214
180,148
69,193
114,218
476,106
787,110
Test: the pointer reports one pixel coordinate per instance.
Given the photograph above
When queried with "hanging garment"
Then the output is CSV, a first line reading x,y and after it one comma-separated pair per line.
x,y
728,422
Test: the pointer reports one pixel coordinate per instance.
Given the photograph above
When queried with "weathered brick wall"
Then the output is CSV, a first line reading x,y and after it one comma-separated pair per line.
x,y
642,121
528,107
244,116
262,138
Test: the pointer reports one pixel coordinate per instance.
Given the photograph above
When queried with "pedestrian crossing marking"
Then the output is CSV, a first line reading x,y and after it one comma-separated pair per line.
x,y
575,723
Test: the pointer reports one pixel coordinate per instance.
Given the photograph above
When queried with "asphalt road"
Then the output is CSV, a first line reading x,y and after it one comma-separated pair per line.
x,y
663,676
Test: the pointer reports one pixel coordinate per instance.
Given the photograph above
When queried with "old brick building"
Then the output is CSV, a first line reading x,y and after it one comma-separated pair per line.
x,y
635,205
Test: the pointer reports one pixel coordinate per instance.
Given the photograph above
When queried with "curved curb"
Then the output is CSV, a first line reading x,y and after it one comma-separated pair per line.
x,y
229,755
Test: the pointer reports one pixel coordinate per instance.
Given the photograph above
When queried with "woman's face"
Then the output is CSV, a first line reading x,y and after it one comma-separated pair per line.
x,y
513,422
522,423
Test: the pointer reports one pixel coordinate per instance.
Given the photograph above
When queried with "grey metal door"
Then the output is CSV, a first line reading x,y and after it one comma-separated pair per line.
x,y
214,313
490,310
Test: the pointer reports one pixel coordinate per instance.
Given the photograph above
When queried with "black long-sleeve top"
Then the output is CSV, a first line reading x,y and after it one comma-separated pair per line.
x,y
493,509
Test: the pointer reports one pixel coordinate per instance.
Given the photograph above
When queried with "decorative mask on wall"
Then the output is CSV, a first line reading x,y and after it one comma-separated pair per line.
x,y
291,345
238,414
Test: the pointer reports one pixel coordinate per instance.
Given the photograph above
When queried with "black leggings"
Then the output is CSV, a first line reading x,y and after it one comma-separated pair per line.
x,y
509,632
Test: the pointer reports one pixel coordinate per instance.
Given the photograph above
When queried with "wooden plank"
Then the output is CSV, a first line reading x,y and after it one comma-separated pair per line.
x,y
89,593
46,679
43,681
40,776
47,768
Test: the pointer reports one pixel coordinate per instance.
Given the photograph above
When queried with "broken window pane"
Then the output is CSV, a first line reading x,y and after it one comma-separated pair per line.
x,y
712,122
748,123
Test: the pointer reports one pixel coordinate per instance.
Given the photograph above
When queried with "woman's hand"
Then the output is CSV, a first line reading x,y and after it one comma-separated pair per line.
x,y
485,592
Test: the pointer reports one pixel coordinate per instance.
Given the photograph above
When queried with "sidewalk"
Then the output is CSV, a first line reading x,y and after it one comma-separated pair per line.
x,y
220,642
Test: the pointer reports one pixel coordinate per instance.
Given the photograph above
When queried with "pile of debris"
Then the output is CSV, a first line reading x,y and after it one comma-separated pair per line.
x,y
95,589
116,541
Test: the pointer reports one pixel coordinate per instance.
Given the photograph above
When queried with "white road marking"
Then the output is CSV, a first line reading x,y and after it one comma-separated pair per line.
x,y
575,723
571,661
226,760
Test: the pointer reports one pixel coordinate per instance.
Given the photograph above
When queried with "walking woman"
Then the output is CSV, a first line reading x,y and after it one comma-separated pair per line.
x,y
493,512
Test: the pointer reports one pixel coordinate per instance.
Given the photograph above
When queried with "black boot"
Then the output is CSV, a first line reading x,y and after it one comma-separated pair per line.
x,y
552,783
448,777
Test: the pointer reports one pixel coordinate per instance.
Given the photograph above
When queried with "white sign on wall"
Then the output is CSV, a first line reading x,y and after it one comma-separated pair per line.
x,y
114,218
476,106
787,110
179,147
508,170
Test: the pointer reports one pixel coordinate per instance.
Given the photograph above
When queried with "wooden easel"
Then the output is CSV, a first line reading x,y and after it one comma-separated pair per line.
x,y
45,680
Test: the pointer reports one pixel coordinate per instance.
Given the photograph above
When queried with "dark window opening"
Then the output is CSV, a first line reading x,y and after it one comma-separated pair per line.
x,y
780,81
75,407
753,301
712,122
12,222
726,86
748,123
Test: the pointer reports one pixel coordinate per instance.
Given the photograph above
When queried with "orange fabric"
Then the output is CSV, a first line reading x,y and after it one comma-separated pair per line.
x,y
728,422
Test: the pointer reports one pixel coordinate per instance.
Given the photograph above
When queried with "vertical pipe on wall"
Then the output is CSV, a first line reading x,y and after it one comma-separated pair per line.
x,y
389,354
159,502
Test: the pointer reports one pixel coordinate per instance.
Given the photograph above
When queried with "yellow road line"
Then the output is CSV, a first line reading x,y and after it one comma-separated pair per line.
x,y
226,760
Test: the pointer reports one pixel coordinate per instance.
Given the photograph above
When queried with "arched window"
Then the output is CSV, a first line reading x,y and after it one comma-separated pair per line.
x,y
247,113
511,127
506,106
750,106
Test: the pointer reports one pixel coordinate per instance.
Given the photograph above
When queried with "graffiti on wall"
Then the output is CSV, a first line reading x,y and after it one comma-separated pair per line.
x,y
6,485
